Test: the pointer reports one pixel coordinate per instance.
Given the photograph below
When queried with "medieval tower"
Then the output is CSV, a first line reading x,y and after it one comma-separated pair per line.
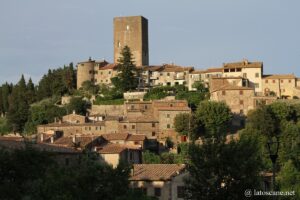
x,y
133,32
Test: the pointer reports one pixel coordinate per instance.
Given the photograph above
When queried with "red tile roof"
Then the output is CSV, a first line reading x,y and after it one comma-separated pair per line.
x,y
155,172
279,76
109,66
115,148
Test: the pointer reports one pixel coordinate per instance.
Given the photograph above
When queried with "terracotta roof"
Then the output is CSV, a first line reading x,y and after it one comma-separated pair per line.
x,y
39,146
115,136
218,84
167,108
63,124
11,138
115,148
153,68
175,68
109,66
68,141
243,64
136,137
209,70
155,172
279,76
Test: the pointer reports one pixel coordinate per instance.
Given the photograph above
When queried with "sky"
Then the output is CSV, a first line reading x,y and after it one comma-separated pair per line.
x,y
37,35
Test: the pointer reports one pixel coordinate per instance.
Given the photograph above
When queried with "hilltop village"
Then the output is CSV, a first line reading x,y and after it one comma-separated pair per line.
x,y
127,130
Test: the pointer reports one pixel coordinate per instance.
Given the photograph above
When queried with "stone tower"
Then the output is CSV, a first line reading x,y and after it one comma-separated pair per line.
x,y
133,32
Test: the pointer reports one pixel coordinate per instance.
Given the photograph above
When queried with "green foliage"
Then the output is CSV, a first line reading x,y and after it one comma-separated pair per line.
x,y
18,106
256,117
90,88
156,93
78,105
180,92
187,124
126,79
151,158
42,113
109,96
289,179
57,82
31,174
4,128
223,171
214,118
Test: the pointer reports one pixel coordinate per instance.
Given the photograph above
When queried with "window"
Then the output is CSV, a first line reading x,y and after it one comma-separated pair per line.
x,y
274,81
131,107
180,191
133,126
257,75
281,81
241,102
146,107
266,81
226,70
168,74
256,85
168,115
153,133
168,84
124,126
168,126
90,128
157,192
241,92
153,124
86,128
238,69
90,71
171,105
223,93
96,128
232,70
101,73
290,81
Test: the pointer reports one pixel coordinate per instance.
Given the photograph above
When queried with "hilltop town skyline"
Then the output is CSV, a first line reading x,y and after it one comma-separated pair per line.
x,y
203,35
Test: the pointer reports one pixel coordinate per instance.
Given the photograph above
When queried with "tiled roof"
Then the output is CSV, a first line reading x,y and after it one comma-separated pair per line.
x,y
168,108
136,137
39,146
68,141
109,66
175,68
218,84
243,64
63,124
155,172
115,136
153,68
279,76
115,148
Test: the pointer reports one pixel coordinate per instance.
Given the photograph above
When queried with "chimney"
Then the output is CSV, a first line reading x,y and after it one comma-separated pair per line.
x,y
42,137
52,139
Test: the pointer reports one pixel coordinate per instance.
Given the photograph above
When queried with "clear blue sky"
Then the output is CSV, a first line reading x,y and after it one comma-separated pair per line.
x,y
37,35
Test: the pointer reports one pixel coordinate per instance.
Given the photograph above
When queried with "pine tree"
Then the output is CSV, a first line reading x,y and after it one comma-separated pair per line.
x,y
127,78
18,106
30,94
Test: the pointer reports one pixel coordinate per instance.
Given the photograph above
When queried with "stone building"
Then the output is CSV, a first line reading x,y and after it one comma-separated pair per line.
x,y
163,181
253,71
133,32
281,85
203,76
234,93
